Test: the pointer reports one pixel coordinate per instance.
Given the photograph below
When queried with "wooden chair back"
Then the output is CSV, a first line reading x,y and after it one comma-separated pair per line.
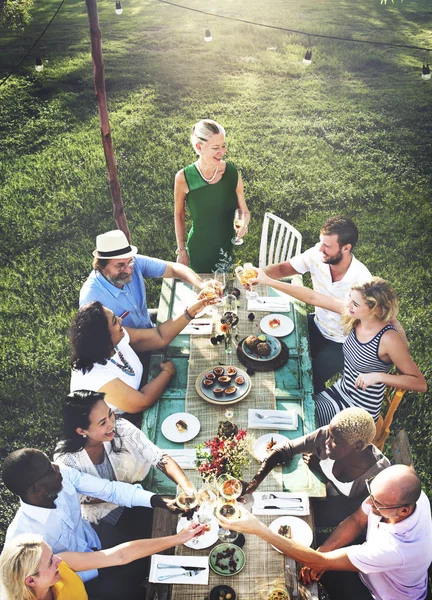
x,y
393,397
279,241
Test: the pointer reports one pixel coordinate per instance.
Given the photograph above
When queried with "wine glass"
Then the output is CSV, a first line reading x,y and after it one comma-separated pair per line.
x,y
230,489
186,498
210,292
238,224
244,275
208,494
220,283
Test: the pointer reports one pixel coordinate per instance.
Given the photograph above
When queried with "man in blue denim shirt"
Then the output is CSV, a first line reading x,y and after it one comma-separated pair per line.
x,y
50,504
117,279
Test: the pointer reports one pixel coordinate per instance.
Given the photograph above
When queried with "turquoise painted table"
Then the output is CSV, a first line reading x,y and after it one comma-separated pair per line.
x,y
293,388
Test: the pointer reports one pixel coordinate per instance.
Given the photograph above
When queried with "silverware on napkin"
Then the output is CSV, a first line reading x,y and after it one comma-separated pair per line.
x,y
191,573
284,507
272,496
273,417
164,566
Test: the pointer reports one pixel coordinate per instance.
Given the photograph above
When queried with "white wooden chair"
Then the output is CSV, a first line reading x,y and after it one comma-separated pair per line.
x,y
279,241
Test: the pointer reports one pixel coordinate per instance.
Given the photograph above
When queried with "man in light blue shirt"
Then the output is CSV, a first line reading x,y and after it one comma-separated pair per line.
x,y
50,504
117,279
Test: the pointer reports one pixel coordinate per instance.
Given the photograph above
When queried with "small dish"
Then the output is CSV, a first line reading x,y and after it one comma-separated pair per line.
x,y
260,446
275,349
300,530
285,327
216,394
220,557
227,593
170,431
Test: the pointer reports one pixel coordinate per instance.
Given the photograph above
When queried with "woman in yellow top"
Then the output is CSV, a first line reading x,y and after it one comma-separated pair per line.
x,y
30,571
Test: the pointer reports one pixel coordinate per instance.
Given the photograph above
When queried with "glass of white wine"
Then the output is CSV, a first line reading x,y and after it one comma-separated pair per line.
x,y
238,224
211,293
244,275
186,498
229,509
220,283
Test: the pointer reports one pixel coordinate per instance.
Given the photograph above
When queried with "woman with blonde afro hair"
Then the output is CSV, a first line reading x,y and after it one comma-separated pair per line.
x,y
343,453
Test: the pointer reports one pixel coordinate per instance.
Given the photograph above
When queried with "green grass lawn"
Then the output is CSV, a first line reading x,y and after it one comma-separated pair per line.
x,y
349,134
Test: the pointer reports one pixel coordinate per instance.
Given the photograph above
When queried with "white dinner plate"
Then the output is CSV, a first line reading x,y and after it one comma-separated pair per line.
x,y
285,328
300,530
260,444
170,431
205,540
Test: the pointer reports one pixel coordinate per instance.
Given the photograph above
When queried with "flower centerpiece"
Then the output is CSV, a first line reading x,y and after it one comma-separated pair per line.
x,y
228,452
228,321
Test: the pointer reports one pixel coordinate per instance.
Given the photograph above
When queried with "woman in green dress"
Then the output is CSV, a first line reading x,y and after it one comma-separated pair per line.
x,y
213,190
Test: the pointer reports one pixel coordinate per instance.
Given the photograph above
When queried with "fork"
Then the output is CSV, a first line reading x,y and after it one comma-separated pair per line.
x,y
190,573
273,417
275,497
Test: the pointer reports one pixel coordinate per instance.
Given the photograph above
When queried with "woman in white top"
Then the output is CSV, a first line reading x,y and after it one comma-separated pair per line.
x,y
346,458
104,359
97,443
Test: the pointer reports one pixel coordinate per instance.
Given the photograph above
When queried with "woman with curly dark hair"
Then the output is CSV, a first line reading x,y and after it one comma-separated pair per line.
x,y
104,358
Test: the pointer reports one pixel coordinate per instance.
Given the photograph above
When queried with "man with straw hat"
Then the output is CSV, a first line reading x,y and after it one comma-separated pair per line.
x,y
117,279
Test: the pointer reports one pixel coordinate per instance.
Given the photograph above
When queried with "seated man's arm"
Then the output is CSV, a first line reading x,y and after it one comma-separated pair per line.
x,y
277,271
346,532
180,271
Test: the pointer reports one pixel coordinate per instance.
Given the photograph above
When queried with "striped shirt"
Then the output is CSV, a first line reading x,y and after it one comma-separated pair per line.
x,y
359,358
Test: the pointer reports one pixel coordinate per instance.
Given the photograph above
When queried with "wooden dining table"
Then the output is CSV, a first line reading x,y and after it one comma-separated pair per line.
x,y
287,388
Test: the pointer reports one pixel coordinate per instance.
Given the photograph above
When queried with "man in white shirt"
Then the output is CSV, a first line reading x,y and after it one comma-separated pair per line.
x,y
50,506
391,564
334,269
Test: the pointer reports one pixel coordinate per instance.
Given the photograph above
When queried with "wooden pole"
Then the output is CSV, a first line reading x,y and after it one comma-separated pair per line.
x,y
99,84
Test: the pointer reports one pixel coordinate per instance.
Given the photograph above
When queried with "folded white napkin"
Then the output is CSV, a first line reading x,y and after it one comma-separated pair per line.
x,y
188,561
184,457
284,503
284,420
198,327
269,304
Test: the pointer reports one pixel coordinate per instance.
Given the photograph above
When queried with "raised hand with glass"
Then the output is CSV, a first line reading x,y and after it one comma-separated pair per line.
x,y
230,489
244,275
239,223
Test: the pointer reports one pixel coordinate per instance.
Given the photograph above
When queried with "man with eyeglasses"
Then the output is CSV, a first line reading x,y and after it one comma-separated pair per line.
x,y
391,564
117,279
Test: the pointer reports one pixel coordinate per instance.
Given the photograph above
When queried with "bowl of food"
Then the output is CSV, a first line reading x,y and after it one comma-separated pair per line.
x,y
222,592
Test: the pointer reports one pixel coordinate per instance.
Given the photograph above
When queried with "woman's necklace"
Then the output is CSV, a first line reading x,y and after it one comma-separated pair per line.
x,y
125,367
205,178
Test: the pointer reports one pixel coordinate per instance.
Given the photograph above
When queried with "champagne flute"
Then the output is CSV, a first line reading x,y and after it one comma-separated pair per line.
x,y
210,292
238,224
220,282
244,275
186,498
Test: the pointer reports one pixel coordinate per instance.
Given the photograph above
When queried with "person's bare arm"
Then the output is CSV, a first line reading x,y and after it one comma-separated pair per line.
x,y
241,204
301,293
400,330
129,551
181,271
410,377
175,472
158,337
280,270
180,191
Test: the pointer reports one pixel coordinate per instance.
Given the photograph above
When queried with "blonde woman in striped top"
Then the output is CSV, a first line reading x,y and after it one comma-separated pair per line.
x,y
372,348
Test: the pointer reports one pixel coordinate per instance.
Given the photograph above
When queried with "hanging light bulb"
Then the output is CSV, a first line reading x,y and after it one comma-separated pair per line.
x,y
119,9
38,64
207,35
307,57
426,72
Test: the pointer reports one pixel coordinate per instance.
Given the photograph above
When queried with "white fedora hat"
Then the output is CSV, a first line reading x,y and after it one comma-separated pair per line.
x,y
113,244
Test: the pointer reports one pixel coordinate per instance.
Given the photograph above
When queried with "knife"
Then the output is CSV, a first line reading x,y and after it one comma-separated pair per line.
x,y
286,507
163,566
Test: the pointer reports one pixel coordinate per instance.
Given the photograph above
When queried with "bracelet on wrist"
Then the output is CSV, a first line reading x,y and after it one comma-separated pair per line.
x,y
168,371
180,249
187,314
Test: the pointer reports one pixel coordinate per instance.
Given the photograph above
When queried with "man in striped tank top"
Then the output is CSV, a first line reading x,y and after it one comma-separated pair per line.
x,y
334,269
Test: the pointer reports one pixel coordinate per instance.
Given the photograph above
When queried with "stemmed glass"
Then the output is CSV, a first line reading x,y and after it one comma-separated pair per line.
x,y
244,275
207,498
238,224
230,489
220,283
186,498
210,291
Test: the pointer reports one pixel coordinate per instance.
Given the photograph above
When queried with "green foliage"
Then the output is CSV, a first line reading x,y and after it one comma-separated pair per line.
x,y
15,14
349,134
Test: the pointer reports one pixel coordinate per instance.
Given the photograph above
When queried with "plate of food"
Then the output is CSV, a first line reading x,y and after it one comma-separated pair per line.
x,y
205,540
277,325
223,385
180,427
222,592
227,559
262,347
264,444
292,528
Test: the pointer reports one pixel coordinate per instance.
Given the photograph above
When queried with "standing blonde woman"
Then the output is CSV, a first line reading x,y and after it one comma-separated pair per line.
x,y
213,190
371,349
